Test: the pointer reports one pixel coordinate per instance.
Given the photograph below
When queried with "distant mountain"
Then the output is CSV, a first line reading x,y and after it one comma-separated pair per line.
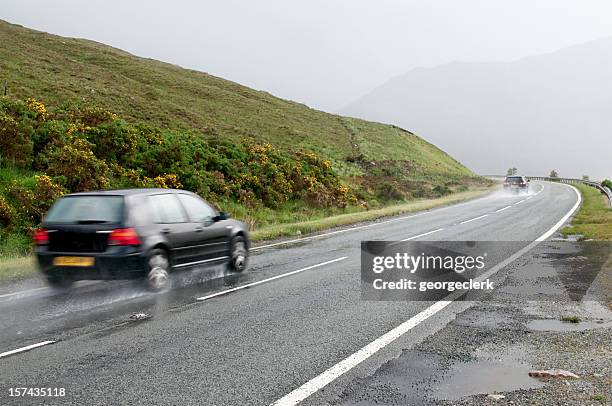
x,y
552,111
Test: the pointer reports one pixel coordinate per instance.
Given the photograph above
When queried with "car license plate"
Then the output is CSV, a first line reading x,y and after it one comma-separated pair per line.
x,y
73,261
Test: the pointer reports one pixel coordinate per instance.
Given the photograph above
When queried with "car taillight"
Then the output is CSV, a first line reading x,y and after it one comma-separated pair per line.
x,y
123,236
41,236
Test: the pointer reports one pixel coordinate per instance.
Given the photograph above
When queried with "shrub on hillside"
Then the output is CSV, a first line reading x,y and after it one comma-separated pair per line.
x,y
34,203
87,148
389,191
77,167
7,214
114,142
15,142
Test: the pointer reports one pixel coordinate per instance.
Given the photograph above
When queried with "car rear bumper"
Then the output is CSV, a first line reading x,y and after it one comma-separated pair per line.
x,y
117,265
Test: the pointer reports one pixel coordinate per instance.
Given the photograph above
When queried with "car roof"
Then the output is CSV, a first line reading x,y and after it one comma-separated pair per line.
x,y
128,192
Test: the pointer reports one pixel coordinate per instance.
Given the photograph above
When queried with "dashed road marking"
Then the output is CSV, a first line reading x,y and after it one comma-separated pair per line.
x,y
474,219
502,209
422,235
248,285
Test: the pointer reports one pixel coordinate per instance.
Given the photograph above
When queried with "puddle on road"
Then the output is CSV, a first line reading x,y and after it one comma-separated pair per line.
x,y
483,377
563,326
492,371
418,377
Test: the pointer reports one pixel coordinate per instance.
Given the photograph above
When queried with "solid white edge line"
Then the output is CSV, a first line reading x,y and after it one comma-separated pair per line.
x,y
296,396
474,219
502,209
27,348
225,292
519,202
422,235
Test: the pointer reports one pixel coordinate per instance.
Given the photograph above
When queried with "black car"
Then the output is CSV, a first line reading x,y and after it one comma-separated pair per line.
x,y
135,233
516,184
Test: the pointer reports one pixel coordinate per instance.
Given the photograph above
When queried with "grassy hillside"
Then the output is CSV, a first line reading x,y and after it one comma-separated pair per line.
x,y
56,69
80,115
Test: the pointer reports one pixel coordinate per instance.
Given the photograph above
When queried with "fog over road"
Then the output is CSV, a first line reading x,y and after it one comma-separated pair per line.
x,y
255,345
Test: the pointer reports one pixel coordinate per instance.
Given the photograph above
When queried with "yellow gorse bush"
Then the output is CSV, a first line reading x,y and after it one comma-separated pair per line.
x,y
38,108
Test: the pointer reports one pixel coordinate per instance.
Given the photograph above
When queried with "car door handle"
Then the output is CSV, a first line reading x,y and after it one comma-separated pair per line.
x,y
165,230
199,229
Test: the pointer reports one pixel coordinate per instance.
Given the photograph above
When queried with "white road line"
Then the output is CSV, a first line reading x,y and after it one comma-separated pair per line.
x,y
502,209
474,219
248,285
539,191
519,202
565,218
312,386
296,396
22,292
23,349
422,235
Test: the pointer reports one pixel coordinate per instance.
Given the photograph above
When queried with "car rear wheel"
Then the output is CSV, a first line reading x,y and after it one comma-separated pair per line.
x,y
158,264
239,254
59,282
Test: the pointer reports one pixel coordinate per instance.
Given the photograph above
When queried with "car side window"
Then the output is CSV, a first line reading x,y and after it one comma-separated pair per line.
x,y
166,209
197,209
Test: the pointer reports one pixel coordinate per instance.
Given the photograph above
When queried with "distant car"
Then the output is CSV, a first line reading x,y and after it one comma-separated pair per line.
x,y
516,184
135,233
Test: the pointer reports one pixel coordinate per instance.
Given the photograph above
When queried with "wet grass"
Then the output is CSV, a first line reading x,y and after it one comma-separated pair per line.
x,y
570,319
17,267
594,219
600,397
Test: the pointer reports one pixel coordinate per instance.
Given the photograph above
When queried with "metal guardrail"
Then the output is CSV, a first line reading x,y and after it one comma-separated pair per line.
x,y
603,189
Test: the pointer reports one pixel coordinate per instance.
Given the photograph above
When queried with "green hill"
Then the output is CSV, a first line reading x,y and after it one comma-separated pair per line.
x,y
211,127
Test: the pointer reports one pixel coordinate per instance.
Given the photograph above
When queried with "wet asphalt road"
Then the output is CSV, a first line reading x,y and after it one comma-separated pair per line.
x,y
249,347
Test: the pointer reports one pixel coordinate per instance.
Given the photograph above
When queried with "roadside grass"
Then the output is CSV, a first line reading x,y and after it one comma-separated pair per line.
x,y
600,397
312,226
594,219
570,319
22,265
17,267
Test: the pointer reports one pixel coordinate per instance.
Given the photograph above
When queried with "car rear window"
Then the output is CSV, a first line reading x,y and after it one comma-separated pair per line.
x,y
87,210
514,179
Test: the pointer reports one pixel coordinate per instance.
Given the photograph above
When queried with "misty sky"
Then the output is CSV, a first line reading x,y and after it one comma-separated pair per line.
x,y
324,53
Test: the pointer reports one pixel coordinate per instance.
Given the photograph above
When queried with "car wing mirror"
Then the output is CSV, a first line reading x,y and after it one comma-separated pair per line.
x,y
221,216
